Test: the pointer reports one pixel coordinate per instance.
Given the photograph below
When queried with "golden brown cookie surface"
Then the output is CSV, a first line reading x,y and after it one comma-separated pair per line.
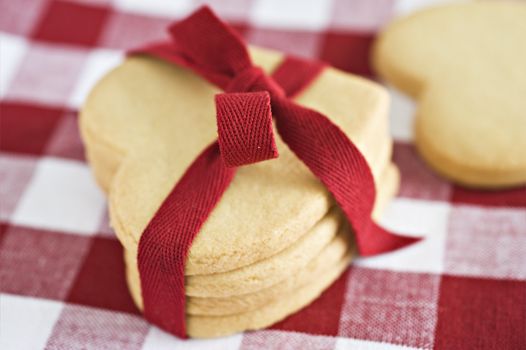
x,y
465,66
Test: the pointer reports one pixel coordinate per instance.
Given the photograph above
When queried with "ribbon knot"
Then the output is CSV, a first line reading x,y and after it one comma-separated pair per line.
x,y
254,79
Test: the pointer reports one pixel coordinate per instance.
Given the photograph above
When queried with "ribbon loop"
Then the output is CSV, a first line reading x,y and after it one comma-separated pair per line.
x,y
244,124
224,51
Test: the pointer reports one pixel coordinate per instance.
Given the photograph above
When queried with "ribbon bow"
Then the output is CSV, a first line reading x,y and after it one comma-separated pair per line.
x,y
245,113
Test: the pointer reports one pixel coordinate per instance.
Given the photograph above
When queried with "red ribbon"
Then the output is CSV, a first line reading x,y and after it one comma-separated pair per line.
x,y
203,43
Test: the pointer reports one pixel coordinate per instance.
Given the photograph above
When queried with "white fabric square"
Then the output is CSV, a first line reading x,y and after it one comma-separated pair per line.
x,y
486,242
157,339
164,8
391,307
62,195
26,323
292,14
98,63
401,115
360,15
420,218
15,174
12,49
358,344
47,74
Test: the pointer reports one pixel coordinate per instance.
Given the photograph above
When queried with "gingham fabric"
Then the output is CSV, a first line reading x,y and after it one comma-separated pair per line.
x,y
61,268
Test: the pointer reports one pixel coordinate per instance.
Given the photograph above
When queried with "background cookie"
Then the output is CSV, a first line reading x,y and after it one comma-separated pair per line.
x,y
465,64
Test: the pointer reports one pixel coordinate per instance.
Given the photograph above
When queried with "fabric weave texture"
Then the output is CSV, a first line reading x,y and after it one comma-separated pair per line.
x,y
61,268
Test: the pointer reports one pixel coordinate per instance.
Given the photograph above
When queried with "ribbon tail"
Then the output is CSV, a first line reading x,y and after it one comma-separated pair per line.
x,y
379,240
166,241
341,167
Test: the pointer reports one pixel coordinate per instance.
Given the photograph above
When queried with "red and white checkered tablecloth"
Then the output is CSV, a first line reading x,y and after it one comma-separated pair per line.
x,y
61,268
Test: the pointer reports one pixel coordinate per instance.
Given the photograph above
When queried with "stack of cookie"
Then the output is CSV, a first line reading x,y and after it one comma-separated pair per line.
x,y
276,239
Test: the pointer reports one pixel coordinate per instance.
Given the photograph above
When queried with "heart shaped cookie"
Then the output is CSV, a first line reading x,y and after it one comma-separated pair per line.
x,y
465,66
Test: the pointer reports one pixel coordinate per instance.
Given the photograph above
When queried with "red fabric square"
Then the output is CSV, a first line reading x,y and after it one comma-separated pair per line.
x,y
71,23
27,128
392,307
348,51
487,242
15,173
3,230
127,30
298,43
80,327
101,280
322,316
130,30
515,197
40,263
417,179
65,141
477,313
